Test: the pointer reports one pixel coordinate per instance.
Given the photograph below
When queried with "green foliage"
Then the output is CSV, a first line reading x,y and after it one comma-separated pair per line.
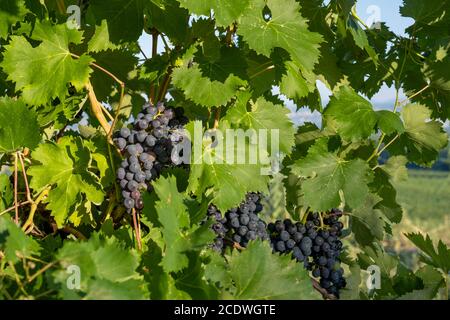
x,y
230,65
13,135
40,82
258,274
64,167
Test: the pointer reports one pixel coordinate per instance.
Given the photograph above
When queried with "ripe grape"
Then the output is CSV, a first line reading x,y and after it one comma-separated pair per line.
x,y
315,243
151,131
239,225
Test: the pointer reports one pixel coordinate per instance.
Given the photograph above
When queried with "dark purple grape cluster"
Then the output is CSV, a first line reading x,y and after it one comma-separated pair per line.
x,y
148,149
316,244
239,225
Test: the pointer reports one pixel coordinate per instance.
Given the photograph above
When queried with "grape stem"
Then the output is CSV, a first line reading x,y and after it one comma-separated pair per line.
x,y
217,117
165,85
25,177
97,109
16,219
75,232
41,271
13,207
136,230
322,291
415,94
154,53
119,108
28,225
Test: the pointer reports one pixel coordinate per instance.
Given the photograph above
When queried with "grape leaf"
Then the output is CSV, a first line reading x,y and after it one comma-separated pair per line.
x,y
38,81
179,236
361,40
11,11
396,168
6,193
100,40
13,134
105,265
285,29
15,243
292,84
258,274
388,205
175,28
389,122
225,11
103,289
436,72
274,205
423,11
64,167
352,114
201,89
432,281
423,138
368,224
439,258
215,269
327,175
264,115
219,168
125,18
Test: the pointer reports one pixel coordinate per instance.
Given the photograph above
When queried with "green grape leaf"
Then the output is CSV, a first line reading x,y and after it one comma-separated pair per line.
x,y
274,205
120,62
11,11
439,258
15,243
225,11
436,72
261,75
100,40
6,193
216,269
327,175
423,138
222,170
361,40
258,274
64,167
285,29
367,223
352,290
395,167
103,289
292,84
105,265
383,188
423,11
202,90
432,281
13,133
389,122
264,115
179,237
193,280
353,115
40,82
175,28
125,18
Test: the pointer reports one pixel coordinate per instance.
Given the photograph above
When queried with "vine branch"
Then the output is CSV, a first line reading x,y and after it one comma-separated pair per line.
x,y
16,201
